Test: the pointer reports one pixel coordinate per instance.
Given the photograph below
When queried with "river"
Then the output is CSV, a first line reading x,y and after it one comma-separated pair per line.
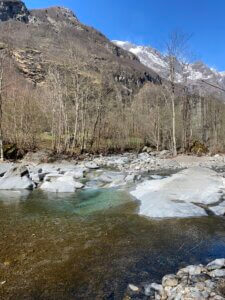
x,y
90,245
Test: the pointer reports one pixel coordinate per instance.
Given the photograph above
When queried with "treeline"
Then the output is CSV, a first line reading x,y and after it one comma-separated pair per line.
x,y
75,115
76,112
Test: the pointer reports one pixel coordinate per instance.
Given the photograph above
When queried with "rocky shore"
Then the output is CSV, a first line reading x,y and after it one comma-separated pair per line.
x,y
166,187
193,282
155,161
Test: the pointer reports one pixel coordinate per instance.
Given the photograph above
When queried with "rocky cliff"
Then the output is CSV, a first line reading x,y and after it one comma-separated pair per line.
x,y
194,72
13,9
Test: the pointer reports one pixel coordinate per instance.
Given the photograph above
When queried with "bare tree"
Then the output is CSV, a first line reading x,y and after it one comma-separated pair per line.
x,y
2,59
176,47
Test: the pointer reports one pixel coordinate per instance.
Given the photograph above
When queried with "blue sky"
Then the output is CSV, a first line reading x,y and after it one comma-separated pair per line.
x,y
149,22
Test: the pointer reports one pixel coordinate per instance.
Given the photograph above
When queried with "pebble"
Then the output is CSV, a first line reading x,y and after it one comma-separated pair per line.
x,y
218,273
193,282
133,288
169,280
216,264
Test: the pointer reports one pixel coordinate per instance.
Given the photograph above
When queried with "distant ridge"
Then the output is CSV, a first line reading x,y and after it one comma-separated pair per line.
x,y
195,72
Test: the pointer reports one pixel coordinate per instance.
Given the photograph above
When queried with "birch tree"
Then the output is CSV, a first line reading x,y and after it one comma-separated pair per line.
x,y
176,47
2,59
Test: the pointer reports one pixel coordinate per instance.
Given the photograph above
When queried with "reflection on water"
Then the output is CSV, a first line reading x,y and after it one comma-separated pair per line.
x,y
92,244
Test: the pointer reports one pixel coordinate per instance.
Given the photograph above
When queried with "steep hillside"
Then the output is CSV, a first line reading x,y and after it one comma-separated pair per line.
x,y
41,39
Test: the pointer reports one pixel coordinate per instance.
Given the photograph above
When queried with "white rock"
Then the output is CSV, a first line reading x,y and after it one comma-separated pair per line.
x,y
78,173
91,165
217,273
130,178
216,264
133,288
58,187
147,289
218,210
112,179
173,196
170,280
106,178
52,176
57,183
210,284
144,156
17,178
156,177
4,167
157,287
191,270
78,185
200,286
70,180
35,178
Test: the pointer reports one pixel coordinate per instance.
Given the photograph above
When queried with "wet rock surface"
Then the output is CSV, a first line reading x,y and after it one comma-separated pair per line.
x,y
192,282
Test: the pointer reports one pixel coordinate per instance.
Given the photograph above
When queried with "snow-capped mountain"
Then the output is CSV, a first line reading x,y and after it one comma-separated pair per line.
x,y
194,73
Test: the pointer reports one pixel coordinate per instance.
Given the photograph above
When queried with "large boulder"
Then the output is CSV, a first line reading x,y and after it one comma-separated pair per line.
x,y
17,178
177,196
77,173
112,179
56,183
4,167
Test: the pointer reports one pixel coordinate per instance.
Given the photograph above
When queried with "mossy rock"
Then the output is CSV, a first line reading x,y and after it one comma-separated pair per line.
x,y
11,151
198,148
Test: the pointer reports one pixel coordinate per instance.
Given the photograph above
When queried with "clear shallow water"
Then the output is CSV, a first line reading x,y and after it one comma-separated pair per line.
x,y
91,245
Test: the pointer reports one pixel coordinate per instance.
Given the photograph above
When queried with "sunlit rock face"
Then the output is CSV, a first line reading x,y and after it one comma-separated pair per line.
x,y
181,195
13,9
194,72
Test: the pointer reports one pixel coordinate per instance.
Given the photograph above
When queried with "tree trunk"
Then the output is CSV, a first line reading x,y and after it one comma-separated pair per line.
x,y
1,135
174,126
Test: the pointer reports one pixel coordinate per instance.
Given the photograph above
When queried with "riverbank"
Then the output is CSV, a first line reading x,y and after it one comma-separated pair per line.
x,y
152,161
192,282
166,187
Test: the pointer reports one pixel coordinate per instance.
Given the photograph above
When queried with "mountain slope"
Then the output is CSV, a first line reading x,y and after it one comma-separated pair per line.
x,y
41,39
195,72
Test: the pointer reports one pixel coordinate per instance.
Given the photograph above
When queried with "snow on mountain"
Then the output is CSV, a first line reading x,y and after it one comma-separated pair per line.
x,y
147,55
195,72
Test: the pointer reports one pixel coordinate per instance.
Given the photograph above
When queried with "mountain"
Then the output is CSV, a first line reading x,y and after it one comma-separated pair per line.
x,y
66,87
42,39
195,72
